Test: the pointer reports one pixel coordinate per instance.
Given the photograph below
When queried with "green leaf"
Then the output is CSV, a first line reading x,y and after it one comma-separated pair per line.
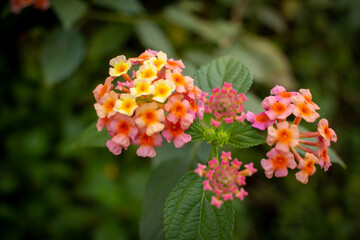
x,y
69,11
334,158
189,215
168,171
226,69
62,53
123,6
108,41
196,130
92,138
209,30
153,37
162,181
243,135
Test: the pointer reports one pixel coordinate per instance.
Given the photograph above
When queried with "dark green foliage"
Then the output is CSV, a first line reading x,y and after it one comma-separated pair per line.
x,y
51,190
243,135
227,69
196,130
189,215
62,54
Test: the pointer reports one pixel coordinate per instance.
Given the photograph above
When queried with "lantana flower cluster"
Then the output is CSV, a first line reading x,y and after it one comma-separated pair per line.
x,y
156,101
225,104
225,178
286,137
18,5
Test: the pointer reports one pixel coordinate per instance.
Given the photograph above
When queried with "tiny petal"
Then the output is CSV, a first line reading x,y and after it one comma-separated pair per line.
x,y
216,202
227,196
114,147
207,185
200,169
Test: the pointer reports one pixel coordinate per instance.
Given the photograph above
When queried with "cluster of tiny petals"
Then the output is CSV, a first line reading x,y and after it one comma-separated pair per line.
x,y
286,138
157,101
225,104
225,178
18,5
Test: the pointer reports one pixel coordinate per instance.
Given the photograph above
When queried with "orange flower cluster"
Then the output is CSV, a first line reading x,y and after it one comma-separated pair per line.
x,y
156,101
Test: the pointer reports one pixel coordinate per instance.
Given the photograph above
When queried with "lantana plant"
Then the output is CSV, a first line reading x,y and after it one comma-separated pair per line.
x,y
152,99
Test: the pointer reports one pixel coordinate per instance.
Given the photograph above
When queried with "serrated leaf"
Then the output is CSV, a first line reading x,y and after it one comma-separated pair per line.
x,y
189,215
69,11
243,135
170,165
196,130
157,190
153,37
92,138
225,69
62,53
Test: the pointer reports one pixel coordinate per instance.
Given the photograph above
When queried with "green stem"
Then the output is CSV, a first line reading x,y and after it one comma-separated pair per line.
x,y
214,152
193,155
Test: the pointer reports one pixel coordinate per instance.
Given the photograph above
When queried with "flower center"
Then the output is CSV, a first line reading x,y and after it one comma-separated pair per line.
x,y
327,132
109,105
278,107
148,73
127,105
146,140
120,68
158,63
175,129
285,94
179,109
123,127
280,161
284,135
178,79
162,90
305,110
309,167
262,118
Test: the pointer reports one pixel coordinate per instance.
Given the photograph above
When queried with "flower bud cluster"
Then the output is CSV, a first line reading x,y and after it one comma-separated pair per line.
x,y
224,178
156,101
225,104
287,138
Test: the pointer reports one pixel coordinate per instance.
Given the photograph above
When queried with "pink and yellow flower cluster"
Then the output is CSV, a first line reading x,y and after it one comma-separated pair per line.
x,y
156,101
225,104
224,178
286,137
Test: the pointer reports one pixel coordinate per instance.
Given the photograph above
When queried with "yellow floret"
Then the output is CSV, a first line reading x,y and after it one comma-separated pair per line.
x,y
163,89
126,104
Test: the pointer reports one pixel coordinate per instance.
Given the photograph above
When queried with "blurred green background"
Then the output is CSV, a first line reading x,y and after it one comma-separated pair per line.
x,y
52,186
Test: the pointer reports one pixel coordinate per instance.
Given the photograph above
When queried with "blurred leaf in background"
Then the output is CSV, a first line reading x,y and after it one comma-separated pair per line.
x,y
54,184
